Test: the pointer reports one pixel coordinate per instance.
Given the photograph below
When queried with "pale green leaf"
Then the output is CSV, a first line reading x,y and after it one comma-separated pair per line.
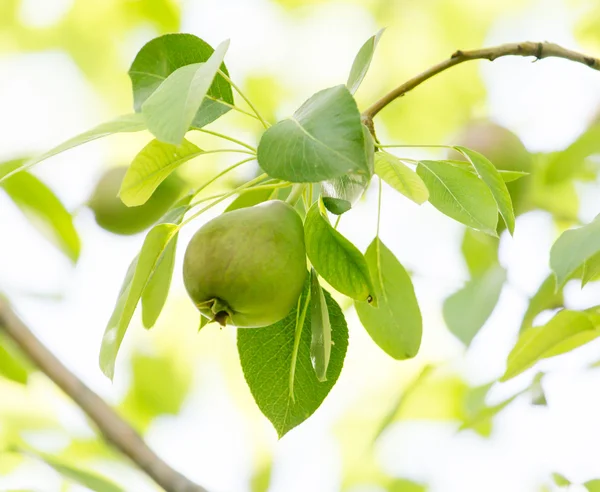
x,y
480,251
13,364
546,297
323,140
573,248
490,176
510,176
460,194
250,198
335,258
362,62
170,110
266,356
592,485
591,269
43,208
563,333
400,177
136,279
560,480
395,324
128,123
467,310
320,346
153,164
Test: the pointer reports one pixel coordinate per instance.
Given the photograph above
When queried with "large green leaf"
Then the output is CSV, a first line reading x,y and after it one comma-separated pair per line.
x,y
400,177
128,123
592,485
480,251
267,354
323,140
136,279
320,346
160,57
157,289
170,110
563,333
43,207
573,248
153,164
362,62
335,258
91,480
490,176
546,297
466,311
460,194
395,324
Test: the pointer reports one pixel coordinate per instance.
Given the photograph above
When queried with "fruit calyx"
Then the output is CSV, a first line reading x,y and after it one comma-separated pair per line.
x,y
220,310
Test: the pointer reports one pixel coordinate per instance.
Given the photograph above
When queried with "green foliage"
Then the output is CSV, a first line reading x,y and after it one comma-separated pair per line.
x,y
395,324
123,124
42,207
13,365
400,177
573,248
326,130
336,206
490,176
362,62
320,346
170,110
335,258
466,311
250,198
153,164
404,485
563,333
460,195
267,354
592,485
480,252
546,297
162,56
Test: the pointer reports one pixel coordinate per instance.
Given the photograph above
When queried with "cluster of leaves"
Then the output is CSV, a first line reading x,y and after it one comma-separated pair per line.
x,y
181,84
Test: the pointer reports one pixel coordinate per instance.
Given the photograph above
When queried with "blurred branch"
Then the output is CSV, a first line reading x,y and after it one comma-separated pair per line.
x,y
114,429
537,50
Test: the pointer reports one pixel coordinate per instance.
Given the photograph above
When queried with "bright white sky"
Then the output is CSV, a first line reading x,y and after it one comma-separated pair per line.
x,y
211,440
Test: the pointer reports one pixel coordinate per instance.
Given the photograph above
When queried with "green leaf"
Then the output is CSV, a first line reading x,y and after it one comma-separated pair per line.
x,y
395,324
467,310
560,480
546,297
480,251
510,176
591,269
170,110
13,365
161,57
154,163
250,198
573,248
43,208
336,206
128,123
320,346
565,165
88,479
404,485
157,289
483,417
490,176
362,62
592,485
266,357
563,333
136,280
335,258
459,194
351,186
323,140
400,177
538,396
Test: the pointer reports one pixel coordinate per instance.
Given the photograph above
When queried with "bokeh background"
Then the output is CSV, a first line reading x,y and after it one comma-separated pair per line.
x,y
63,67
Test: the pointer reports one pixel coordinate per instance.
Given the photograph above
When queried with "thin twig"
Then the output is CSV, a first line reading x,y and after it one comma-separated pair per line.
x,y
112,427
537,50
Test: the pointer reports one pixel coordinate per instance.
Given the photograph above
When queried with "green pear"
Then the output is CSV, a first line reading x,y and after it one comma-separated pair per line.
x,y
114,216
247,267
506,151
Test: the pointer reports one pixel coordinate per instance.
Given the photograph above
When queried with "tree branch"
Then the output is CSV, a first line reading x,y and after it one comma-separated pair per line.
x,y
538,50
112,427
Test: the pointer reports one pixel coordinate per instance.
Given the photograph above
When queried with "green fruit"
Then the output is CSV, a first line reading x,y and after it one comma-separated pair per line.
x,y
506,151
247,267
114,216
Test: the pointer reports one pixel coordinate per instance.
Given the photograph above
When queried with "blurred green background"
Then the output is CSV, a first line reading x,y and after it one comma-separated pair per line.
x,y
438,422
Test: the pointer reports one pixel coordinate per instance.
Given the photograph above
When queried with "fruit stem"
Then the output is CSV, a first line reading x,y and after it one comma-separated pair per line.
x,y
296,193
